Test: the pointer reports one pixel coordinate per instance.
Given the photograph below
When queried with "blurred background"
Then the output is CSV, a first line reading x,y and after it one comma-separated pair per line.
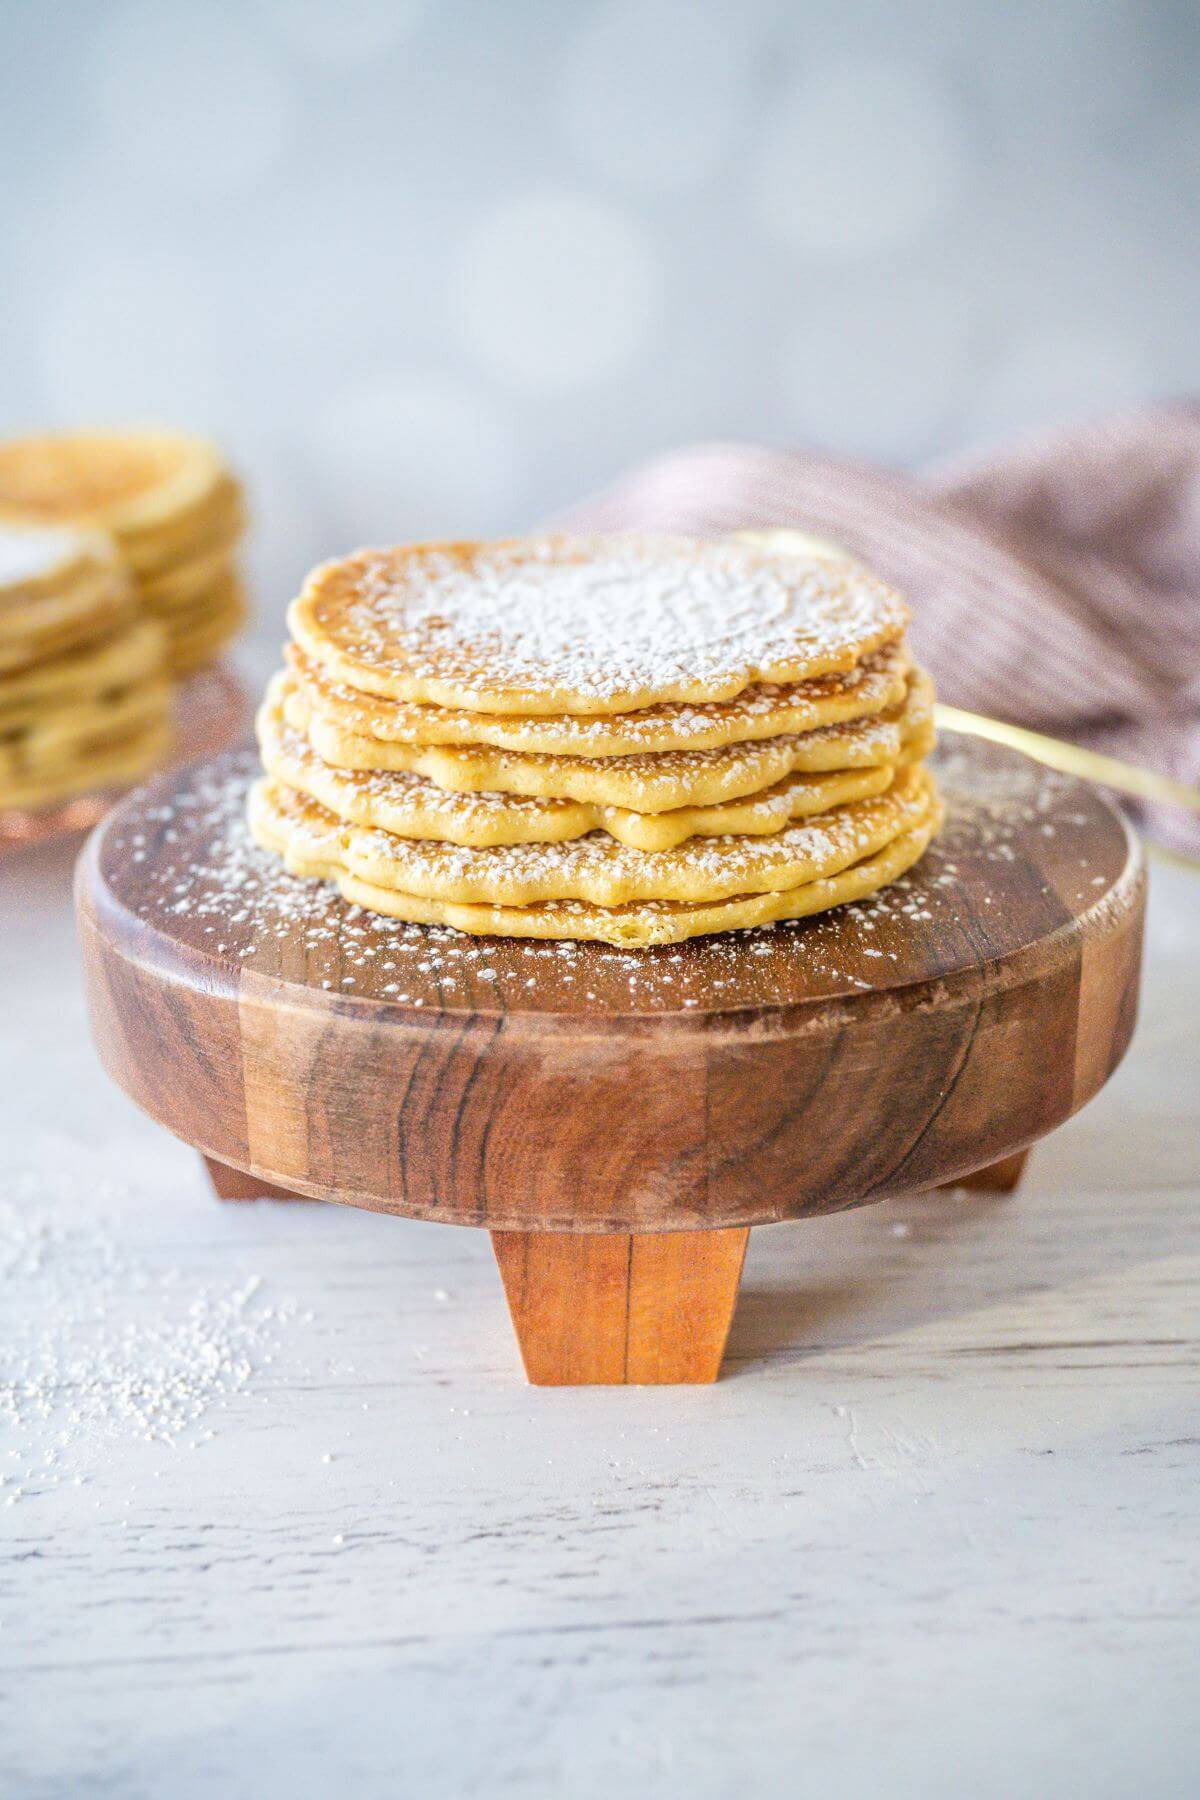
x,y
439,266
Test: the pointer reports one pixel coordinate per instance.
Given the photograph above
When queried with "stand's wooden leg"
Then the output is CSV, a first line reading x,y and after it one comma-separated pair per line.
x,y
652,1307
999,1177
233,1184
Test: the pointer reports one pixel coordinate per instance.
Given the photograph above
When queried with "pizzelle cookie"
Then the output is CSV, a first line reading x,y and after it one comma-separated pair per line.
x,y
132,484
550,625
629,739
119,660
39,563
644,782
604,872
84,699
214,525
412,806
196,639
309,840
355,729
58,589
189,582
110,763
166,501
126,659
31,646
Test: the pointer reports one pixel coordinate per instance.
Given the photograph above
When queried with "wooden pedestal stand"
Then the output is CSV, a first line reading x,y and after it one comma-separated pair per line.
x,y
617,1120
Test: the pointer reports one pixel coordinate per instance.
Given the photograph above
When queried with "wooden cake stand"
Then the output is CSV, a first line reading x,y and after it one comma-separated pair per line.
x,y
617,1119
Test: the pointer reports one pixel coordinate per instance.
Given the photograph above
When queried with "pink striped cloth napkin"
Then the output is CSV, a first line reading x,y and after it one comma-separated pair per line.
x,y
1055,584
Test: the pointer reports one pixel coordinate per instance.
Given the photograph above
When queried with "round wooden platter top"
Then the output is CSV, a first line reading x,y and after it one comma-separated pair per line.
x,y
519,1084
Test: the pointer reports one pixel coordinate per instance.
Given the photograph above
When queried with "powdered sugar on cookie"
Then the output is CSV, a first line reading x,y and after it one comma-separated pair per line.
x,y
579,625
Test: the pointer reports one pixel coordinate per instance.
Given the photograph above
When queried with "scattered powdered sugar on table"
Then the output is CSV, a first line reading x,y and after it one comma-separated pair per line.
x,y
109,1345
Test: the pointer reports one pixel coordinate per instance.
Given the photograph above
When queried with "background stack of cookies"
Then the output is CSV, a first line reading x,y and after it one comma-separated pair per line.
x,y
84,694
635,740
170,505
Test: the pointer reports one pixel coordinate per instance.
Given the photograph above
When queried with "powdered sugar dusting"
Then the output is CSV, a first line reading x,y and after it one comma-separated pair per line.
x,y
27,553
599,869
645,782
411,805
761,710
592,624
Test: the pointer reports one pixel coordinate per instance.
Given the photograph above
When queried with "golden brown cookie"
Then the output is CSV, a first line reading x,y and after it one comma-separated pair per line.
x,y
414,807
549,625
598,869
357,720
643,783
310,842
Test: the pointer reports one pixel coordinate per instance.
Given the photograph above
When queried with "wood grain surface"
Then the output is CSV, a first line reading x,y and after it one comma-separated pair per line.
x,y
1001,1177
737,1080
649,1308
235,1184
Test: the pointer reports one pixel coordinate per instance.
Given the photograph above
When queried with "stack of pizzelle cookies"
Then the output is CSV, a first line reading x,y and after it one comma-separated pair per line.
x,y
172,508
84,696
629,739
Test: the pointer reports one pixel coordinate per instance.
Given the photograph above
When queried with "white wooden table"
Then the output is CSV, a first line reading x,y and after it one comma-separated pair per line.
x,y
280,1517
